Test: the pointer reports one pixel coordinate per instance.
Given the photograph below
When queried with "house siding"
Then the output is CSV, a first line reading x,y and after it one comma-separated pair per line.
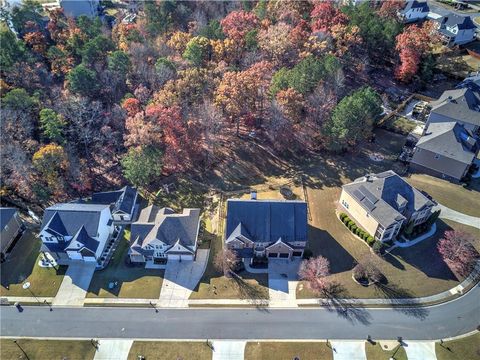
x,y
358,213
443,167
10,232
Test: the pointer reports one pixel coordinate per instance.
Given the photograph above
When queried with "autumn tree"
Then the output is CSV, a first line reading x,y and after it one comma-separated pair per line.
x,y
324,16
315,272
226,261
390,9
238,23
142,165
131,106
52,125
27,11
51,161
276,42
197,51
458,252
292,104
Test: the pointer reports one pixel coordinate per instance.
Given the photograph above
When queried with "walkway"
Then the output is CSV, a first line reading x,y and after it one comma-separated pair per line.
x,y
181,277
282,282
113,349
75,284
228,350
348,350
420,350
450,214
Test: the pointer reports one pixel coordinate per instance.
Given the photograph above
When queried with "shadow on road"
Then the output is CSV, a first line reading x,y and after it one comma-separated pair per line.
x,y
338,298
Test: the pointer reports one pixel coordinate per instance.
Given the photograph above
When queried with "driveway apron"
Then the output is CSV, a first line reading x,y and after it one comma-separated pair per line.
x,y
75,284
113,349
420,350
228,350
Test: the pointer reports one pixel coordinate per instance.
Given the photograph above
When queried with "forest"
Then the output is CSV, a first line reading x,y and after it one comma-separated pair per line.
x,y
87,106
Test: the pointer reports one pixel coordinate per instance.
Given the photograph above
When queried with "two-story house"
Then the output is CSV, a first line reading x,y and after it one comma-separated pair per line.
x,y
160,234
76,8
11,227
382,203
414,11
456,29
75,231
266,228
123,203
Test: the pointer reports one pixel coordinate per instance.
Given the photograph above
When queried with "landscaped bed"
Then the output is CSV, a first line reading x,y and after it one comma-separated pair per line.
x,y
288,350
22,265
170,350
132,281
46,349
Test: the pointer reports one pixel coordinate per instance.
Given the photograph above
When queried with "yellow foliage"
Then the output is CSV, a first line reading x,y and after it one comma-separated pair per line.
x,y
179,40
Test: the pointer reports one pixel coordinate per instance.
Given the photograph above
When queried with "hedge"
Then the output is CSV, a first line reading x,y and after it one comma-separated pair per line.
x,y
350,224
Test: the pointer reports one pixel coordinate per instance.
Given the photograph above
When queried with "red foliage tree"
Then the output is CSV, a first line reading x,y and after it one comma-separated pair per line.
x,y
238,23
131,106
315,272
389,9
458,252
325,15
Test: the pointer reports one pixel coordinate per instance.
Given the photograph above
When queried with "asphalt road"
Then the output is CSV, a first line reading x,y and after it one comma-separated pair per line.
x,y
435,322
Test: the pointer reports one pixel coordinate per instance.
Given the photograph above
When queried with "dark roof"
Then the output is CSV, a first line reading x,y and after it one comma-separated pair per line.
x,y
5,215
471,82
416,5
379,195
450,140
463,22
70,217
122,200
54,246
460,104
83,240
267,220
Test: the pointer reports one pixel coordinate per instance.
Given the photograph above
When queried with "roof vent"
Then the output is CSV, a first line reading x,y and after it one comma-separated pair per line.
x,y
253,195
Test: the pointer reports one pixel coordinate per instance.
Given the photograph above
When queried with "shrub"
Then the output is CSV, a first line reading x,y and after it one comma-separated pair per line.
x,y
377,247
370,240
358,231
354,228
343,216
349,223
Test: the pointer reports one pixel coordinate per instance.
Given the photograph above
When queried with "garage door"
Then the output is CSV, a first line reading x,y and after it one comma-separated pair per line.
x,y
273,255
284,255
297,253
180,257
173,257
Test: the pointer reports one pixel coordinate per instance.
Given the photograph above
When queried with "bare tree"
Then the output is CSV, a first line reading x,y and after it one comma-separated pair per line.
x,y
367,268
458,252
226,261
315,272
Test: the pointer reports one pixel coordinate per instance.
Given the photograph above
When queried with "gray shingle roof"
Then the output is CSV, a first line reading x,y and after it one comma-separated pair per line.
x,y
416,5
123,199
5,215
83,240
463,22
267,220
379,195
451,140
460,104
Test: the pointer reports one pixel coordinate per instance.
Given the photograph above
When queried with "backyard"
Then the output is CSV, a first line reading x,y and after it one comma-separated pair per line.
x,y
132,281
27,349
22,265
170,350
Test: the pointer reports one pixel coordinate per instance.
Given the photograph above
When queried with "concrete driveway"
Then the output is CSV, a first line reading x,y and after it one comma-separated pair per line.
x,y
75,283
228,350
113,349
420,350
349,350
181,277
282,282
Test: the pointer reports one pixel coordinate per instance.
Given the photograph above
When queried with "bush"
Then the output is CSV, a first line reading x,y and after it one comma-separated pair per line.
x,y
343,216
377,247
370,240
349,223
354,228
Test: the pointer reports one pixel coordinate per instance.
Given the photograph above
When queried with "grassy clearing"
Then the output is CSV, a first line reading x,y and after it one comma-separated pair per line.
x,y
287,351
375,352
46,349
185,194
170,350
399,125
133,282
22,265
462,349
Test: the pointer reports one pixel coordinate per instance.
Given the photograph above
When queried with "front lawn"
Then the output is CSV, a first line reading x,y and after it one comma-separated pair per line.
x,y
461,349
170,350
375,352
133,281
22,265
288,351
46,349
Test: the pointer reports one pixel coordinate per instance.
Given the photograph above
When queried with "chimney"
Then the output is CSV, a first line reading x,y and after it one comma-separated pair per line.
x,y
253,195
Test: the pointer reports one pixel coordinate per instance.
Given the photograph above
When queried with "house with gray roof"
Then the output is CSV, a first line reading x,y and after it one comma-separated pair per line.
x,y
456,29
160,234
76,8
266,228
383,203
414,11
11,227
76,231
446,150
123,203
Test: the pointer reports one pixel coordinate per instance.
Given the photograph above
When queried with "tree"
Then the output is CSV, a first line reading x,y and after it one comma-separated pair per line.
x,y
160,15
52,125
238,23
458,252
226,261
131,106
37,41
276,42
119,62
96,49
367,268
212,31
82,80
315,272
19,100
324,15
197,51
51,161
353,118
13,50
142,165
389,9
27,11
291,104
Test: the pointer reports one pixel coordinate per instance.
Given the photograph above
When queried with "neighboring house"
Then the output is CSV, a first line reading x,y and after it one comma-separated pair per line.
x,y
459,105
123,203
266,228
414,11
160,234
382,203
446,150
11,227
76,231
456,29
471,82
75,8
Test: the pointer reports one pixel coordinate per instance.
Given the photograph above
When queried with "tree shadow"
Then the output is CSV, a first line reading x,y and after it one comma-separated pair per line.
x,y
402,299
251,293
393,261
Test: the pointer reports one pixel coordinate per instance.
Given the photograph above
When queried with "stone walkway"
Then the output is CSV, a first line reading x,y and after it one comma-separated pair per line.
x,y
181,277
348,350
450,214
228,350
420,350
75,284
113,349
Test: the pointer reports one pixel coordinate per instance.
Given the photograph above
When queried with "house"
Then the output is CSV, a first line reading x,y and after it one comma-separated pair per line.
x,y
266,228
74,231
160,234
123,203
459,105
382,203
11,227
76,8
414,11
447,150
456,29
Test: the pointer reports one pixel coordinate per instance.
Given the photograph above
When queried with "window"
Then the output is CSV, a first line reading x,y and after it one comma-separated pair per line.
x,y
345,204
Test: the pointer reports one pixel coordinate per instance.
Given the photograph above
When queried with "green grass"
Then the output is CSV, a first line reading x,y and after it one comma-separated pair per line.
x,y
46,349
22,265
133,282
400,125
186,194
287,351
375,352
462,349
170,350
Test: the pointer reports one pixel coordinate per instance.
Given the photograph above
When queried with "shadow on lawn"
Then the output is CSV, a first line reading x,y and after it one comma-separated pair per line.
x,y
251,293
398,296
